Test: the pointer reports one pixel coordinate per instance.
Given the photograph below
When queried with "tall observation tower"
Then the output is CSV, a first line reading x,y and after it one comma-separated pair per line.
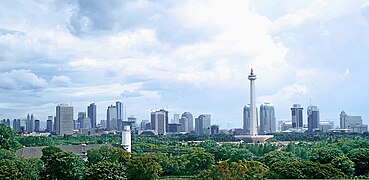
x,y
253,123
253,137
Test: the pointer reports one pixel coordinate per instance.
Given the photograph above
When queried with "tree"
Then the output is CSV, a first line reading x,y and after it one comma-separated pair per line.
x,y
304,170
325,155
65,165
9,172
107,153
345,165
143,167
199,160
105,170
277,156
26,169
47,152
7,139
360,157
255,169
224,170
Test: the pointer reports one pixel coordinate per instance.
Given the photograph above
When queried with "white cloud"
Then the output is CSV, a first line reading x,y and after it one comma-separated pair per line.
x,y
22,80
60,81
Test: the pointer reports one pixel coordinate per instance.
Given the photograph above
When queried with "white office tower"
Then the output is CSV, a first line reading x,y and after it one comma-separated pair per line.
x,y
202,124
126,138
175,118
189,117
64,119
111,118
159,121
184,124
267,119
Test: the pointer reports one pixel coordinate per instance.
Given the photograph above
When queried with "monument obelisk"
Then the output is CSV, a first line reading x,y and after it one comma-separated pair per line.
x,y
253,137
253,123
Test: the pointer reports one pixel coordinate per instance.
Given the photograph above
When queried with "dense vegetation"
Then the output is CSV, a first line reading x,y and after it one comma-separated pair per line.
x,y
306,155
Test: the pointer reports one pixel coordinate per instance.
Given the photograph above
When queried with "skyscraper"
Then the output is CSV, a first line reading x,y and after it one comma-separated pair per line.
x,y
175,118
159,121
37,125
313,118
111,118
189,117
120,110
202,124
91,113
267,119
64,119
49,124
184,124
29,123
296,111
81,117
354,123
246,119
16,125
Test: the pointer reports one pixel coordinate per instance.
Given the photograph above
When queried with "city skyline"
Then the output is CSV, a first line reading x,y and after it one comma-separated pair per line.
x,y
183,56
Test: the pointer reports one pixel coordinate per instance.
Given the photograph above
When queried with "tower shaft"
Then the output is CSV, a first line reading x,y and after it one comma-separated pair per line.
x,y
253,114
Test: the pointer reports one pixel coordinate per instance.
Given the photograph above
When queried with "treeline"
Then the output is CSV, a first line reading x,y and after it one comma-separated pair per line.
x,y
329,158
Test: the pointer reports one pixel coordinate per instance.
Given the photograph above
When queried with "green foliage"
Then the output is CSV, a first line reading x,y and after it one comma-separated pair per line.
x,y
47,152
9,172
304,170
199,160
109,154
143,167
325,155
256,170
235,170
7,139
277,156
105,170
345,165
22,168
64,165
172,165
360,157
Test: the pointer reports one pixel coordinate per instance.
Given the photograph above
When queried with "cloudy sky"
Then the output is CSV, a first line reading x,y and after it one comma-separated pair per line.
x,y
184,55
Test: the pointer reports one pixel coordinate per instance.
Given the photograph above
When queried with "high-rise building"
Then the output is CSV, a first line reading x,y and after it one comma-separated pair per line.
x,y
81,117
91,113
202,124
111,114
17,125
49,125
354,123
143,124
159,121
120,110
313,118
184,124
246,119
175,118
214,129
29,123
189,117
64,119
296,112
37,125
267,119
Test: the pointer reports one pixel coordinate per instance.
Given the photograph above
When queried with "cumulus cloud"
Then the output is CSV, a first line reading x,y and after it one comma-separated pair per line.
x,y
60,81
21,79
